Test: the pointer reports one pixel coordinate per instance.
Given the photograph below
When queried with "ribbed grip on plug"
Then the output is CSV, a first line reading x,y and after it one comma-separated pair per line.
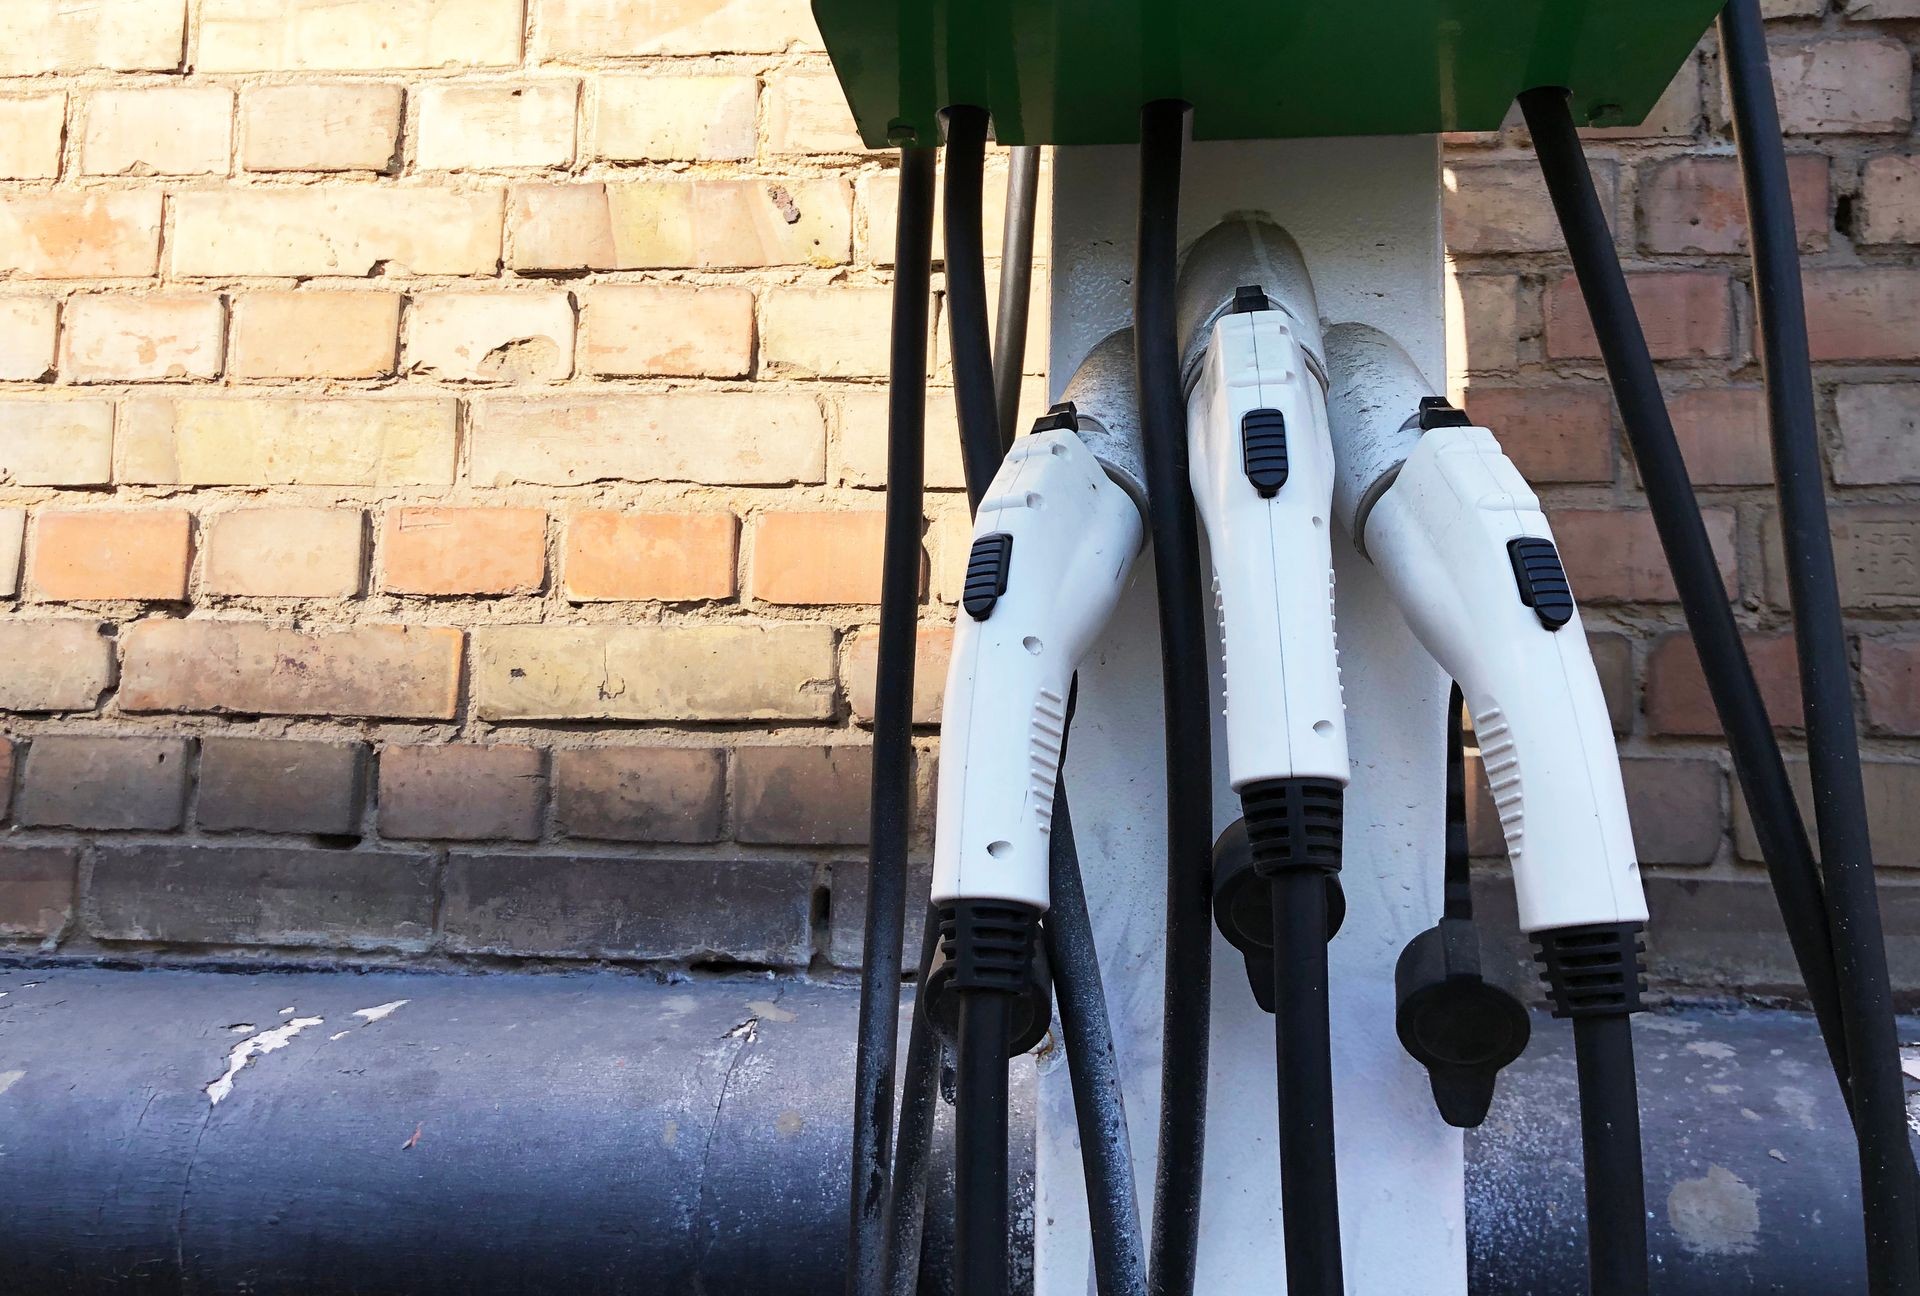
x,y
1293,824
988,944
1593,971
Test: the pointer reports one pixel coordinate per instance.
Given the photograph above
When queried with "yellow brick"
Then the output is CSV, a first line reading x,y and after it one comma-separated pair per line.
x,y
499,124
30,131
314,334
676,118
56,443
357,35
348,126
26,337
491,337
57,665
702,224
720,438
13,530
862,435
807,113
827,332
61,36
879,205
170,131
1035,361
284,552
347,230
261,441
671,330
93,235
603,28
113,338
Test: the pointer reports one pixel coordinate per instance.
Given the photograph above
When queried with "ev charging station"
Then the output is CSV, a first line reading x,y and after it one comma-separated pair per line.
x,y
1246,870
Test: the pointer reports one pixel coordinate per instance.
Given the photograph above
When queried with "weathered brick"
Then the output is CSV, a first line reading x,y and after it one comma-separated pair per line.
x,y
862,435
846,917
807,113
491,337
27,326
36,890
826,332
705,224
1863,314
670,557
879,200
808,796
676,118
121,35
1889,210
668,330
245,668
1893,800
463,550
1695,204
817,557
272,35
1873,10
56,443
54,665
8,752
13,534
1613,661
496,124
612,28
652,794
31,130
1552,434
1615,556
580,907
1876,555
933,653
281,785
284,552
462,792
257,441
100,782
1034,362
1723,435
950,539
93,234
1890,679
1832,87
688,672
1677,698
721,439
314,334
1503,207
1483,323
122,553
1687,315
346,230
259,895
114,338
169,131
1676,809
346,126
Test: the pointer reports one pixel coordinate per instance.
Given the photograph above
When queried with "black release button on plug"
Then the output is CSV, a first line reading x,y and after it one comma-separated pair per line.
x,y
1542,580
987,568
1263,449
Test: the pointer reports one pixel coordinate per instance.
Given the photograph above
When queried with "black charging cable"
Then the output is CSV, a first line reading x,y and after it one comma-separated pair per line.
x,y
1188,721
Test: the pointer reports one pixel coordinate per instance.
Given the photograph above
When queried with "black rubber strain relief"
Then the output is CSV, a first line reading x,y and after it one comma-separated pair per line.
x,y
1293,824
1592,971
988,944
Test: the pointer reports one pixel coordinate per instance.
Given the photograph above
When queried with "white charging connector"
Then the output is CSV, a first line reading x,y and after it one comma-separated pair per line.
x,y
1053,542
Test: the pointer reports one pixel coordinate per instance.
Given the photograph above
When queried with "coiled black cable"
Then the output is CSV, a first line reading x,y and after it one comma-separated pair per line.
x,y
891,813
1873,1081
1189,740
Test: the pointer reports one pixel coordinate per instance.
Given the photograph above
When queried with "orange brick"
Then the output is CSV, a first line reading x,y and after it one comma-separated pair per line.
x,y
670,330
315,334
1687,315
463,550
933,653
817,557
285,552
1866,314
1723,434
111,554
1696,204
1615,556
672,557
1552,434
203,664
98,234
1678,701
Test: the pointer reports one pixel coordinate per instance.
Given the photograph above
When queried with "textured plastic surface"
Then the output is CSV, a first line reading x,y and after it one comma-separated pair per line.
x,y
1439,535
1077,71
1074,534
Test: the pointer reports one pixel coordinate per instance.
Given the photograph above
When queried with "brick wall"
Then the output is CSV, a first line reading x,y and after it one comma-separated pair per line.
x,y
441,450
